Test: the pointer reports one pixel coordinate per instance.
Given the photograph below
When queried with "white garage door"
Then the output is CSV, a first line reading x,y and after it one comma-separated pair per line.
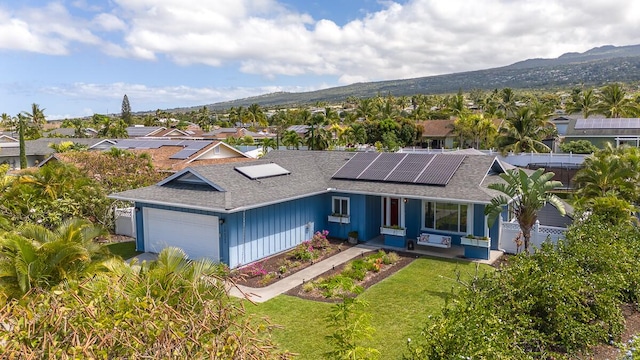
x,y
196,234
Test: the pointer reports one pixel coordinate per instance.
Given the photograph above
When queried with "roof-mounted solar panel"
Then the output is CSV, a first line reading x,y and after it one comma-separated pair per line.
x,y
262,171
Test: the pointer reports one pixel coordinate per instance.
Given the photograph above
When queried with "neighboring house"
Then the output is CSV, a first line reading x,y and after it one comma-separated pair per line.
x,y
8,141
143,131
437,134
174,155
39,150
600,131
241,213
69,133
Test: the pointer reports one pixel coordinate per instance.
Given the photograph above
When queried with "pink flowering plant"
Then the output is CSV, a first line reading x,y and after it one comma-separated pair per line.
x,y
255,269
311,249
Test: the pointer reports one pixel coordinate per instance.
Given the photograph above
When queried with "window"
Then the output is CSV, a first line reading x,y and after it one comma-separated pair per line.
x,y
445,216
340,206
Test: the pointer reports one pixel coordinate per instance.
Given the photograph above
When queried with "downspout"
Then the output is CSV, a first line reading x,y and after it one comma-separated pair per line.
x,y
244,234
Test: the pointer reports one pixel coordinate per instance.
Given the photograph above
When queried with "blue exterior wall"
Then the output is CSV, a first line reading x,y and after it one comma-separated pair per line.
x,y
257,233
251,235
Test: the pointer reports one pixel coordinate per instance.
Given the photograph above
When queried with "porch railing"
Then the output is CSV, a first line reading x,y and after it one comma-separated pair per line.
x,y
510,234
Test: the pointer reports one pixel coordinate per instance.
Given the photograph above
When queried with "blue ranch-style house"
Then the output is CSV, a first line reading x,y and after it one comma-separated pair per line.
x,y
238,213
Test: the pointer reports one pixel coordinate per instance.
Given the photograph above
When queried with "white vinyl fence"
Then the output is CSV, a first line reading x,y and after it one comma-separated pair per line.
x,y
510,232
125,221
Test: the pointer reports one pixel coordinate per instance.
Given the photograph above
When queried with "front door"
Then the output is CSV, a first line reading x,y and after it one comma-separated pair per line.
x,y
391,212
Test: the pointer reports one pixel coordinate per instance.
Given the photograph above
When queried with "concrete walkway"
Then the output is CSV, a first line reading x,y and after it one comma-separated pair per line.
x,y
263,294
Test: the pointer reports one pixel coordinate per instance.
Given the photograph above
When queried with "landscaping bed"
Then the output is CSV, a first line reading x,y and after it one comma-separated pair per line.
x,y
265,272
316,289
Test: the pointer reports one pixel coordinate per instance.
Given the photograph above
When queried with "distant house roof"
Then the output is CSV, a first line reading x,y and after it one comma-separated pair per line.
x,y
175,154
436,128
41,146
310,172
603,127
140,131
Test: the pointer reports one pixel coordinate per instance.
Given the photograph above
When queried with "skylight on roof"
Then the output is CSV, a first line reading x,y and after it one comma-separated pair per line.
x,y
262,171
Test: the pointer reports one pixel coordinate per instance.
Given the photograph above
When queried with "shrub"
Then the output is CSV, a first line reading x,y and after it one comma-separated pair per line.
x,y
559,301
305,251
578,147
255,269
319,240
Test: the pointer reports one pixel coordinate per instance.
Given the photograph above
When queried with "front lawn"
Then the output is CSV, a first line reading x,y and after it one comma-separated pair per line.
x,y
399,306
125,250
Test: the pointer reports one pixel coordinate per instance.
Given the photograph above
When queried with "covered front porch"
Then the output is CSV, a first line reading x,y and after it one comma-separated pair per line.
x,y
453,252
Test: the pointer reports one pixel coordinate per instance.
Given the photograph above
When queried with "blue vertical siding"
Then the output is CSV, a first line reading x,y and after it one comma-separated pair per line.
x,y
413,218
478,220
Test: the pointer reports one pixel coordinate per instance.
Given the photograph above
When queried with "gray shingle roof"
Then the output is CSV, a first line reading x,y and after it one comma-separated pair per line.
x,y
311,173
41,146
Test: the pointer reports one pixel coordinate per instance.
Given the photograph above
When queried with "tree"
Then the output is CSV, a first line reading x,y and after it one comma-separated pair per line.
x,y
609,172
586,103
22,124
291,140
36,117
474,129
36,257
524,133
268,143
614,102
126,111
527,194
255,113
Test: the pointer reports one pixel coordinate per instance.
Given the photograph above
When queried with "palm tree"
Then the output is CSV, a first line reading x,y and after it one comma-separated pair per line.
x,y
614,102
527,194
609,172
36,116
36,257
524,133
507,102
586,103
291,140
268,143
255,113
365,109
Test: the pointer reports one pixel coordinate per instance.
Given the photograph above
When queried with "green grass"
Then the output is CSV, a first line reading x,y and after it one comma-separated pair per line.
x,y
125,250
399,306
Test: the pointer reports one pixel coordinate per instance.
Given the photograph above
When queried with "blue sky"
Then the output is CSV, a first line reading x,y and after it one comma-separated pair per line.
x,y
79,57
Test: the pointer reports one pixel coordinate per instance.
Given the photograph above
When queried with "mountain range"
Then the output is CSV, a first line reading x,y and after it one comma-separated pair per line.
x,y
594,67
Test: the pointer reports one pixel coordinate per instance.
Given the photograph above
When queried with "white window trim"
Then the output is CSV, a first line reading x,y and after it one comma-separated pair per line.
x,y
384,221
341,198
469,228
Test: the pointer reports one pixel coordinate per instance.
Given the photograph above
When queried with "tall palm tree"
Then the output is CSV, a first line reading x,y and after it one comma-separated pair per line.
x,y
524,133
586,103
291,140
255,113
527,194
36,117
36,257
614,102
366,108
22,128
507,102
268,143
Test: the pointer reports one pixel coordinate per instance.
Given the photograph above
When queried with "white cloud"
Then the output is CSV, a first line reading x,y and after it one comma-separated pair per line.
x,y
263,37
418,38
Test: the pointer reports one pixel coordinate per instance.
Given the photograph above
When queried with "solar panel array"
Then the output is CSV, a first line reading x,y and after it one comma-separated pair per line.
x,y
190,146
425,169
139,131
608,123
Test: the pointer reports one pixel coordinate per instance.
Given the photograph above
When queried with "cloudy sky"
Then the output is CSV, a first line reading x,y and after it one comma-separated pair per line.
x,y
79,57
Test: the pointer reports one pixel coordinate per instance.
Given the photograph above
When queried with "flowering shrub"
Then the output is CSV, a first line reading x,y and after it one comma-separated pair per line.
x,y
255,269
304,251
319,239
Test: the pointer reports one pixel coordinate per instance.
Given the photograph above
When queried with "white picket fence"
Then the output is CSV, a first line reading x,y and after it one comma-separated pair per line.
x,y
125,221
509,231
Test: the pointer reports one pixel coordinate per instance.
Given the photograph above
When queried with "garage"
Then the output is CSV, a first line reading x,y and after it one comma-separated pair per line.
x,y
196,234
